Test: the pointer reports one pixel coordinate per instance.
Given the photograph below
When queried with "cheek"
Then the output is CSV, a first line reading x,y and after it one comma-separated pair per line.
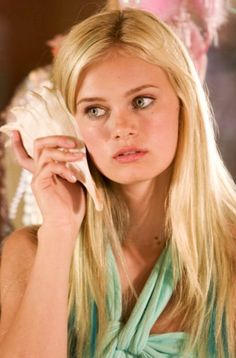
x,y
164,132
93,140
92,145
164,122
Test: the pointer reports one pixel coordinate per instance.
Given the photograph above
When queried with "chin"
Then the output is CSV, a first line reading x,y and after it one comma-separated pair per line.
x,y
132,176
131,179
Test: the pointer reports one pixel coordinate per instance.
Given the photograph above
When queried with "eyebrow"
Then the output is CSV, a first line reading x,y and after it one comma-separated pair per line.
x,y
128,93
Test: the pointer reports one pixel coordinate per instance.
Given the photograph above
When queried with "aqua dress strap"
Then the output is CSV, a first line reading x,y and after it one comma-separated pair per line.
x,y
133,339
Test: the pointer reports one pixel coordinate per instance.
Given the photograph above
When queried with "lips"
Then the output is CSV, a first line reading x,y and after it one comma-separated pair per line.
x,y
128,154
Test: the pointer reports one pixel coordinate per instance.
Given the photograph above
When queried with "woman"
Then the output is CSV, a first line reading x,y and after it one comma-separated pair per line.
x,y
153,274
196,23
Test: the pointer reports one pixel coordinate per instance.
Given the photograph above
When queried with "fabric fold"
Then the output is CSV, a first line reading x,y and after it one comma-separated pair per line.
x,y
133,338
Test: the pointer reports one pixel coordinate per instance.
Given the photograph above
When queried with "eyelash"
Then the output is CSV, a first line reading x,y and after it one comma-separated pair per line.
x,y
143,97
89,108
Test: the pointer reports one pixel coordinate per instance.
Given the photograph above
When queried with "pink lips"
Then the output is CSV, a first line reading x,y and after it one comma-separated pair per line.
x,y
129,154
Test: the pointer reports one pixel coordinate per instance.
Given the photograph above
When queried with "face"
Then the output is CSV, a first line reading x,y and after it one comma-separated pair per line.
x,y
127,112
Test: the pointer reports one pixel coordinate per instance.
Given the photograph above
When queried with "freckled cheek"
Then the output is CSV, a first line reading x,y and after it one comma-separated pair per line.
x,y
164,133
94,142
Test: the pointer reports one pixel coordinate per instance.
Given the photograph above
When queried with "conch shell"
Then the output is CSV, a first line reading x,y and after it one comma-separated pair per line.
x,y
46,114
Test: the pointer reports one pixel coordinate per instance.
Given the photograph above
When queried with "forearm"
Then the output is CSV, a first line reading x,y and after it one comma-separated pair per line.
x,y
39,329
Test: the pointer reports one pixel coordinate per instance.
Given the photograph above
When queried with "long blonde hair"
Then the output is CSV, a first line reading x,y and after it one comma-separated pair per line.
x,y
201,206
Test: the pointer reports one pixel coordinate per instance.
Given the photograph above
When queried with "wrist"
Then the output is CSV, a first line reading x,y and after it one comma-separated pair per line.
x,y
57,239
69,229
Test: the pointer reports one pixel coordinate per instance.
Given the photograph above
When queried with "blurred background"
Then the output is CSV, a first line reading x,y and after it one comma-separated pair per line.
x,y
26,26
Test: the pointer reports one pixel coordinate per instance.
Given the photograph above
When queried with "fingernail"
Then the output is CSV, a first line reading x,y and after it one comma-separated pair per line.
x,y
75,150
73,178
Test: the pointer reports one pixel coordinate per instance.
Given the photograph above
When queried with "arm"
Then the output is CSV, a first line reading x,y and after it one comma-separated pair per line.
x,y
34,317
34,291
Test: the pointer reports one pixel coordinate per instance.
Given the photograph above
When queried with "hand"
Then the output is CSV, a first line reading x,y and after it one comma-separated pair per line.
x,y
60,197
20,153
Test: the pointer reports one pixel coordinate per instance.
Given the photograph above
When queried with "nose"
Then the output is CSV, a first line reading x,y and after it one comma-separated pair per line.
x,y
124,126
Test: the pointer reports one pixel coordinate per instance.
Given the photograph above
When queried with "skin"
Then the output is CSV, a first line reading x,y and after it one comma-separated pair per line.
x,y
145,118
118,120
140,110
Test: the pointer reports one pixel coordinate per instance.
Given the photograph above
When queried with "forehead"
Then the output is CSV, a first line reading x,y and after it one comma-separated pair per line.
x,y
117,70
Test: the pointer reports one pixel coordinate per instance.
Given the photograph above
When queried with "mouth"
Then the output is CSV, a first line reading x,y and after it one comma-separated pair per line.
x,y
127,155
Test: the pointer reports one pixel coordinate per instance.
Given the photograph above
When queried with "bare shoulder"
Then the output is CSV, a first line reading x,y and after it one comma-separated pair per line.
x,y
24,236
19,248
17,258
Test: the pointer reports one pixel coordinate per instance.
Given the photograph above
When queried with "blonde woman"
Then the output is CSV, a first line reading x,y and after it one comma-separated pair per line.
x,y
153,274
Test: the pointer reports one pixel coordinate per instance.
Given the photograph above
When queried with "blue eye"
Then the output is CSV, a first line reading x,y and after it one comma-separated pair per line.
x,y
142,102
95,112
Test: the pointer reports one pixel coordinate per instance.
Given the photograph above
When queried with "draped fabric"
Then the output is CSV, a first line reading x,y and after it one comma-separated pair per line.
x,y
133,338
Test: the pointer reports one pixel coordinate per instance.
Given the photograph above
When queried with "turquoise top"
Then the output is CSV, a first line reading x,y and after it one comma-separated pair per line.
x,y
133,339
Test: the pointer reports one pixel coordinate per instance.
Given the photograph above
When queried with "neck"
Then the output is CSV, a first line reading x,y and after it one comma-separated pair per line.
x,y
146,204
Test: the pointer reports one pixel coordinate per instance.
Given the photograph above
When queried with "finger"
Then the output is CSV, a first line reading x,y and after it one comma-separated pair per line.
x,y
57,141
58,155
21,155
77,173
49,171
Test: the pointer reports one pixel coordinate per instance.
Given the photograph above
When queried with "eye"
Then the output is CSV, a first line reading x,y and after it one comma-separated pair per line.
x,y
95,112
142,102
